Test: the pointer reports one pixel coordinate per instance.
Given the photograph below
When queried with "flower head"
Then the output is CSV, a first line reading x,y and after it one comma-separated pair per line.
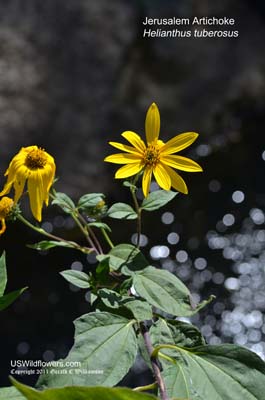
x,y
6,205
38,168
155,157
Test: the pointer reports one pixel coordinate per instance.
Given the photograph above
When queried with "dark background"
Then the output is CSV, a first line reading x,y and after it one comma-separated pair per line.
x,y
74,75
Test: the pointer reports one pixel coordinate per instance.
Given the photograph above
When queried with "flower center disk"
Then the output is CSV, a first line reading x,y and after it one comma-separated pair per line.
x,y
36,159
151,156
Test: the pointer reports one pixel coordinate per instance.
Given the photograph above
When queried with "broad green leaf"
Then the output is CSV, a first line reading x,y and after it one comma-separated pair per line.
x,y
172,332
100,225
3,274
157,199
77,278
9,298
105,347
175,332
49,244
64,202
80,393
10,393
165,291
140,309
223,372
90,200
102,272
184,334
110,298
125,255
121,211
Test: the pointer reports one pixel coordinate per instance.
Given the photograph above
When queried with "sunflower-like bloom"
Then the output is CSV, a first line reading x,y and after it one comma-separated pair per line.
x,y
6,205
38,168
156,157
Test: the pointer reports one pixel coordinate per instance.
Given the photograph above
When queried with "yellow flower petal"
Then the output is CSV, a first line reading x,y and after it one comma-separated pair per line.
x,y
182,163
123,147
146,180
152,124
35,188
129,170
3,226
162,177
176,181
19,183
123,158
178,143
135,140
47,176
6,204
38,167
6,188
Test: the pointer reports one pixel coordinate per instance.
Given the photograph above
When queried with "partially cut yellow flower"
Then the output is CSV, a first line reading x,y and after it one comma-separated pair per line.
x,y
156,157
6,205
38,168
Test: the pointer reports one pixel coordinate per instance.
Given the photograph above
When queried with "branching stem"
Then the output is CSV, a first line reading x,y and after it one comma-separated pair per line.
x,y
154,362
54,237
139,216
85,232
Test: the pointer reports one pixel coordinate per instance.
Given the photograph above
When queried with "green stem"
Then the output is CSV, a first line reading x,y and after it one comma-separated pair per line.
x,y
146,387
84,230
139,217
106,236
156,351
51,236
166,357
90,232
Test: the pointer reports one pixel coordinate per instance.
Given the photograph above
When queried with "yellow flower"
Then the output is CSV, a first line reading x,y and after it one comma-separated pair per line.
x,y
155,157
6,205
38,168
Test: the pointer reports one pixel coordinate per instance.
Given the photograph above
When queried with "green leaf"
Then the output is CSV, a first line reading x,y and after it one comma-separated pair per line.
x,y
80,393
140,309
10,393
64,202
110,298
3,274
105,347
90,200
49,244
9,298
100,225
102,272
125,255
157,199
77,278
170,332
226,372
165,291
175,332
121,211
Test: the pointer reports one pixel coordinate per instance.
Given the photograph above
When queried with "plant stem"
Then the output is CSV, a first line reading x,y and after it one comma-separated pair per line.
x,y
85,232
85,229
146,387
51,236
90,232
139,218
106,236
154,363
